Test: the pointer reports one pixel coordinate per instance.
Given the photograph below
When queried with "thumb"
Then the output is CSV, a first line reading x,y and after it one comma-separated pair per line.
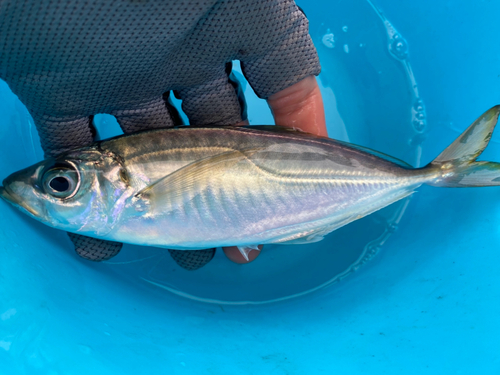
x,y
300,106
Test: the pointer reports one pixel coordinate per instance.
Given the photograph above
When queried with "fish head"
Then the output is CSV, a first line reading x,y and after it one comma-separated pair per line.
x,y
75,192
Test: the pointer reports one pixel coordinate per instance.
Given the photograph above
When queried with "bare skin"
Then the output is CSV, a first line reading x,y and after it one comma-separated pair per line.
x,y
299,106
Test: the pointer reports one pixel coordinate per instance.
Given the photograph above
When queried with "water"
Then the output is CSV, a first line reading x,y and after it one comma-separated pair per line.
x,y
425,303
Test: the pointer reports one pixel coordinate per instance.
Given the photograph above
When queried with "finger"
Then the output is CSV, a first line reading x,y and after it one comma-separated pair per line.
x,y
61,134
216,101
300,106
94,249
192,260
235,255
152,115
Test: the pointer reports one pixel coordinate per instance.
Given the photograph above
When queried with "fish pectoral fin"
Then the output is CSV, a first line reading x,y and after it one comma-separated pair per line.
x,y
245,250
192,176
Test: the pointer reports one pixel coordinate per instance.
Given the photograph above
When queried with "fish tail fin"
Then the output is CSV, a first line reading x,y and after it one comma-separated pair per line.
x,y
457,163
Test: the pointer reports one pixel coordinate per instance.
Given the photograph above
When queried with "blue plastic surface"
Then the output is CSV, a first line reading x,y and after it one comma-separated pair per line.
x,y
426,303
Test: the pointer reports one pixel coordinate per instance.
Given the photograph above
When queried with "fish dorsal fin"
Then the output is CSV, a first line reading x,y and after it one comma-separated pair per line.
x,y
191,177
379,154
301,133
278,129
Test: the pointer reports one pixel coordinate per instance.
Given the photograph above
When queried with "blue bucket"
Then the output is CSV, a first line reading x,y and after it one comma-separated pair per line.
x,y
411,289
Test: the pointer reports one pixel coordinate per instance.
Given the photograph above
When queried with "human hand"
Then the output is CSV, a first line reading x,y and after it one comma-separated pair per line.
x,y
68,61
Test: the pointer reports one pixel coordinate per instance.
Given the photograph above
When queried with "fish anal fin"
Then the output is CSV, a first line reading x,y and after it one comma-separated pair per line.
x,y
312,238
326,226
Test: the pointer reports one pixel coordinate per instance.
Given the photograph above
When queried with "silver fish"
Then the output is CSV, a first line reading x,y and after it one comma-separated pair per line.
x,y
197,188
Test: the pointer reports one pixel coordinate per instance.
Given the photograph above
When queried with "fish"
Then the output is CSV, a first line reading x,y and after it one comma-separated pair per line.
x,y
191,188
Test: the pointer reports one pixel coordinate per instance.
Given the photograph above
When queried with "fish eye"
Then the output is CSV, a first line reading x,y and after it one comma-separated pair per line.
x,y
61,181
59,184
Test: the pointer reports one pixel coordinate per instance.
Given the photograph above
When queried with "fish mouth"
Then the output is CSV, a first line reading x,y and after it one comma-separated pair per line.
x,y
15,201
4,193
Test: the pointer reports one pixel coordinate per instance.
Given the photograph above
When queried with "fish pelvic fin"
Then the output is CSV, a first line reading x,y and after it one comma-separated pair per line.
x,y
245,250
457,163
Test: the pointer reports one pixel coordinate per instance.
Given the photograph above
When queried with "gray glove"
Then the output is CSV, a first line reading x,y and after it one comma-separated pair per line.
x,y
69,60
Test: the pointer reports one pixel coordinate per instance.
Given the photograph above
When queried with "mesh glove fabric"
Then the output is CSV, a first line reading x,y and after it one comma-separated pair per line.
x,y
69,60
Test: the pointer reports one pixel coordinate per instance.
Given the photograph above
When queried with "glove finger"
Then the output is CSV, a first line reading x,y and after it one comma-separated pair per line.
x,y
94,249
61,134
151,116
192,260
215,101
